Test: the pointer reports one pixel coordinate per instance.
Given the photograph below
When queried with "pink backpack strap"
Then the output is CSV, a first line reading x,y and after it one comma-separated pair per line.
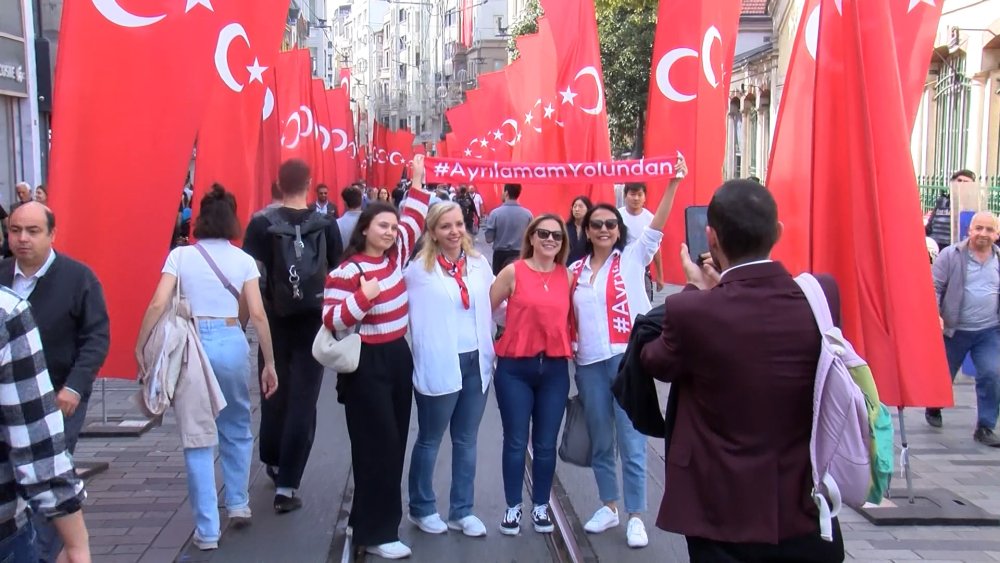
x,y
817,301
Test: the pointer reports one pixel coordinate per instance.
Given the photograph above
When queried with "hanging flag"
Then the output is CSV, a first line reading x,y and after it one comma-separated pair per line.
x,y
345,80
688,104
399,153
866,227
269,146
129,95
229,136
914,25
341,133
325,171
297,124
467,31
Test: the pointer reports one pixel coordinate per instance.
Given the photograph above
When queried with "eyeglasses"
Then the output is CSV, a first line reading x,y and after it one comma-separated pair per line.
x,y
611,224
543,234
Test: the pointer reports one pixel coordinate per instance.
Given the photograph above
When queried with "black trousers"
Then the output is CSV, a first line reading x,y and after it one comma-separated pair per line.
x,y
377,401
288,418
503,257
802,549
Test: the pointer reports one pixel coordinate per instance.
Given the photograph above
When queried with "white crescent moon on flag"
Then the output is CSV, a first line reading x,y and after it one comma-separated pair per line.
x,y
512,123
325,133
343,139
268,104
663,74
226,37
117,15
711,36
394,154
298,130
309,114
812,32
354,148
538,103
591,71
343,82
378,156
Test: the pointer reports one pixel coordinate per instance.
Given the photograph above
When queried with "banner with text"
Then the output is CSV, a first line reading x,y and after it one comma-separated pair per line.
x,y
470,171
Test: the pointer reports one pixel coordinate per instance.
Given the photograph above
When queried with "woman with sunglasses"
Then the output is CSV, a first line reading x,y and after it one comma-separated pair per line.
x,y
604,317
532,374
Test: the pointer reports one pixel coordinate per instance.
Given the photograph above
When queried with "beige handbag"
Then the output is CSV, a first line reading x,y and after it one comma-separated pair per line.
x,y
341,356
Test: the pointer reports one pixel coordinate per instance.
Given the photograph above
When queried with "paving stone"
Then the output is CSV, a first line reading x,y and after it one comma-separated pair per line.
x,y
945,555
887,554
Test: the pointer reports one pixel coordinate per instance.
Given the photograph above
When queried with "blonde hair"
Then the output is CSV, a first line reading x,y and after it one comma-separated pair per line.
x,y
430,249
527,250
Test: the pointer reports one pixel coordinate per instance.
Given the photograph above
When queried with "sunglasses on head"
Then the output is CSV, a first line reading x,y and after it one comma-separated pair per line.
x,y
611,224
543,234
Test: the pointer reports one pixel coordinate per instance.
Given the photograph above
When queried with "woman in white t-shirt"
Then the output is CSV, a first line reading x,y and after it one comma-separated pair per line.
x,y
217,310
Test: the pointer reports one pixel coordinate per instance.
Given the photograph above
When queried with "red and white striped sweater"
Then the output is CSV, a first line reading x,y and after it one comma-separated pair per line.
x,y
385,318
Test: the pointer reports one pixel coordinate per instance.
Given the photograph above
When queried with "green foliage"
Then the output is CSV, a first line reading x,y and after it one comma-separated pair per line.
x,y
626,29
525,25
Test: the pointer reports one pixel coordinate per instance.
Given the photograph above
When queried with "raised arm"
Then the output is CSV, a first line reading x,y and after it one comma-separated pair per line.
x,y
414,212
667,200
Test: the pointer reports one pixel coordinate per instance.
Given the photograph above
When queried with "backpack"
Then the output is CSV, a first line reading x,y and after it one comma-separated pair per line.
x,y
840,441
299,264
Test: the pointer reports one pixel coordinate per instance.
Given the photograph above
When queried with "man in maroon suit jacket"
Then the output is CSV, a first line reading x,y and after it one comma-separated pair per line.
x,y
742,349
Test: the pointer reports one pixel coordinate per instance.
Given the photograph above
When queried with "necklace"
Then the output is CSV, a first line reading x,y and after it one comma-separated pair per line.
x,y
545,279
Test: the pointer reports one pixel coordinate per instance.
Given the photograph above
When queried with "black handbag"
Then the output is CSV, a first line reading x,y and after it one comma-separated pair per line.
x,y
574,447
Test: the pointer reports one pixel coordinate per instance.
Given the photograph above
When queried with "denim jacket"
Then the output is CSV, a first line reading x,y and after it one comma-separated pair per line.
x,y
949,282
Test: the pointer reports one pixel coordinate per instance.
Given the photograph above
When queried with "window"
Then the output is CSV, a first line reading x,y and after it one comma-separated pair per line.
x,y
951,98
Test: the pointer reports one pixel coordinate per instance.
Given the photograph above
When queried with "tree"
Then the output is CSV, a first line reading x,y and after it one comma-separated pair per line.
x,y
527,23
626,29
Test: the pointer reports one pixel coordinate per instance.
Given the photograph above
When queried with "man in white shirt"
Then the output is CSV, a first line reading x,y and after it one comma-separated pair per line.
x,y
322,204
637,217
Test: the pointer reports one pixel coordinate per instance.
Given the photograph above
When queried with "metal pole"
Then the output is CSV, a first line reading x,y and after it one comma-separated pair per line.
x,y
904,456
104,401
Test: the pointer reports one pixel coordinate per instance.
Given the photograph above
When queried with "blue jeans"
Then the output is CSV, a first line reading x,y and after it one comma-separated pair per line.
x,y
984,346
606,421
20,547
228,352
530,392
464,410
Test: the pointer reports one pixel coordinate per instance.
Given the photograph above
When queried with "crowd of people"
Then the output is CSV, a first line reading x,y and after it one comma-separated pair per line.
x,y
439,325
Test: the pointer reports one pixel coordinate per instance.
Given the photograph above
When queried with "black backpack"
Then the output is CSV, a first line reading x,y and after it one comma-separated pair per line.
x,y
299,264
467,206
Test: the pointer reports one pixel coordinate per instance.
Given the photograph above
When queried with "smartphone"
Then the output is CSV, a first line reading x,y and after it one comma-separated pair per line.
x,y
695,222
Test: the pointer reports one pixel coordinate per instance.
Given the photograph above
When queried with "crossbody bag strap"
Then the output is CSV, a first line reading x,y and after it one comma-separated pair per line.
x,y
361,274
218,272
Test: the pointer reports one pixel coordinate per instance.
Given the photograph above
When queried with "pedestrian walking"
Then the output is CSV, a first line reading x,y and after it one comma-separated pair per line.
x,y
505,228
967,282
636,217
604,314
451,328
217,279
532,375
367,294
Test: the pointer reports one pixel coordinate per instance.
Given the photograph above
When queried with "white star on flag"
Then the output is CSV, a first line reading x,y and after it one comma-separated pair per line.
x,y
192,3
484,143
468,152
517,138
528,117
549,110
568,95
497,135
256,71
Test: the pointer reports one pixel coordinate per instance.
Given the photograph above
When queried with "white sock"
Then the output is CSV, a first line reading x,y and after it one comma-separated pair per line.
x,y
285,491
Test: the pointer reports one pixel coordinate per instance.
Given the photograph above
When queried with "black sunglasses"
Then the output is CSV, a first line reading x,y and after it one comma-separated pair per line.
x,y
543,234
596,224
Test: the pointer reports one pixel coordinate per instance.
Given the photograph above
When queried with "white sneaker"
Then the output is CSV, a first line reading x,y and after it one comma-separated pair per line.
x,y
432,524
394,550
636,533
603,519
470,526
204,545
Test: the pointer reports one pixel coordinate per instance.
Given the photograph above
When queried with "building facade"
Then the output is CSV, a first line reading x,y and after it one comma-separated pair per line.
x,y
20,128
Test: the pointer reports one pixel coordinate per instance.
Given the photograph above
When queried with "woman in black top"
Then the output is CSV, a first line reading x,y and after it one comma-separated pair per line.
x,y
574,224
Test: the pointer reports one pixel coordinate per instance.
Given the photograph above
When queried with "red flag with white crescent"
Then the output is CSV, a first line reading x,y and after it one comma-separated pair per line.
x,y
345,81
129,96
325,171
341,141
866,228
688,105
229,136
399,153
293,74
269,147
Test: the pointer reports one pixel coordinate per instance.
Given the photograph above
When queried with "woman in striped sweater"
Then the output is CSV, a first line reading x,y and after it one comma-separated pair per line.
x,y
366,293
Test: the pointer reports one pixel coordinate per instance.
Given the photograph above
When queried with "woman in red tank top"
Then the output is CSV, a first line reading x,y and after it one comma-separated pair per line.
x,y
532,374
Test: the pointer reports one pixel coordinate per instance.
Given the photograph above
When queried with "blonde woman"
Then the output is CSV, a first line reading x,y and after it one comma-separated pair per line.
x,y
450,327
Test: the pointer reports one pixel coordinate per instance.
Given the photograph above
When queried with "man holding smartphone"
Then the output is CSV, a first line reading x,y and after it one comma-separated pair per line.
x,y
636,218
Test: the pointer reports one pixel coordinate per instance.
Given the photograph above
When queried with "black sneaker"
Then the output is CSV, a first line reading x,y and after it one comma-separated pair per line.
x,y
986,437
511,523
933,417
283,504
540,517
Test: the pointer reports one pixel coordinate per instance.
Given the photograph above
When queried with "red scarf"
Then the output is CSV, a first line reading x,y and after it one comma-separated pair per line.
x,y
615,298
456,270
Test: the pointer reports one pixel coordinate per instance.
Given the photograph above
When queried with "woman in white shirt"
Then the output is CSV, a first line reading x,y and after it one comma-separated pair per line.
x,y
451,327
608,293
217,309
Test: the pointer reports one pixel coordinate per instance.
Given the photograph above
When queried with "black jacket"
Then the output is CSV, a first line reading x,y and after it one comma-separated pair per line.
x,y
634,389
69,309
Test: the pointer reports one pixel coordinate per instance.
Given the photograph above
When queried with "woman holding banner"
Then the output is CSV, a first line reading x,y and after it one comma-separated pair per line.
x,y
604,315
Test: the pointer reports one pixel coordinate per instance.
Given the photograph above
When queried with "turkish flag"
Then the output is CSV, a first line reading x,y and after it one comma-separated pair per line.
x,y
379,154
467,31
866,225
442,148
129,96
399,149
341,133
229,136
325,171
293,75
688,105
914,25
345,81
269,146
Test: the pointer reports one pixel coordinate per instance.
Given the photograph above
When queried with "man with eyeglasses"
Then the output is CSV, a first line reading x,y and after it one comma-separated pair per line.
x,y
967,282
